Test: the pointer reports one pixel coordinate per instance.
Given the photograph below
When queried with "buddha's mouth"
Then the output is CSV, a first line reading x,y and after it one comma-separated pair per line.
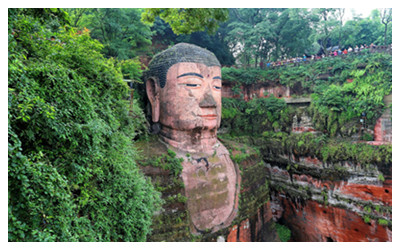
x,y
209,117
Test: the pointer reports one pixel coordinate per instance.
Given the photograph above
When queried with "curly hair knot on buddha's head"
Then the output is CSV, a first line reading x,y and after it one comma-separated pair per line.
x,y
182,52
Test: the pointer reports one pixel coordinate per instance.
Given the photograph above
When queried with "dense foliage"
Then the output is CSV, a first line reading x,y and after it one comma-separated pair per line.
x,y
325,149
251,34
267,34
283,232
338,104
71,169
187,20
353,85
120,30
255,116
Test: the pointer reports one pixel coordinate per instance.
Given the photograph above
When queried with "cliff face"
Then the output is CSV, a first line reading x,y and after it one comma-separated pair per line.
x,y
312,221
323,198
255,91
342,200
254,221
320,201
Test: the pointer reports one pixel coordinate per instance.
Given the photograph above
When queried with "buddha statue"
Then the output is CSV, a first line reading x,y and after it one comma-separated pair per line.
x,y
183,85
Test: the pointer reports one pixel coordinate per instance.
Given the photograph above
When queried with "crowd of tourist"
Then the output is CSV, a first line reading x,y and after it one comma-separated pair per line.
x,y
332,52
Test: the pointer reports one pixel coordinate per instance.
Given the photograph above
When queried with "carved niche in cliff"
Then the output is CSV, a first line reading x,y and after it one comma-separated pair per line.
x,y
183,85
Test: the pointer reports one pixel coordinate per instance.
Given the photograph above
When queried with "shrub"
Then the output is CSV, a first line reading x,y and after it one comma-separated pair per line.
x,y
284,232
71,169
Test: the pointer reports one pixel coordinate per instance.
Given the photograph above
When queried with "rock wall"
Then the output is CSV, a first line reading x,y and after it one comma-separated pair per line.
x,y
255,91
259,228
311,221
383,126
302,122
254,221
332,202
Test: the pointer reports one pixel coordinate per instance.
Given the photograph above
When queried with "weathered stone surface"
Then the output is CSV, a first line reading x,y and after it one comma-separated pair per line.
x,y
188,107
211,185
361,191
383,129
182,52
259,228
346,209
312,221
233,234
183,85
318,201
302,123
256,91
244,231
254,219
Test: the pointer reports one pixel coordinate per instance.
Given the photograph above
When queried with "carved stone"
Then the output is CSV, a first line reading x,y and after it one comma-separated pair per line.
x,y
183,85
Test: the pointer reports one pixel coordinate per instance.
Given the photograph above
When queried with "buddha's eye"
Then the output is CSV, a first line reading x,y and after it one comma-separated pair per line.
x,y
192,85
217,87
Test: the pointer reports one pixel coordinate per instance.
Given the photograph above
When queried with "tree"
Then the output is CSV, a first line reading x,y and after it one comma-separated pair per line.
x,y
325,26
340,14
386,18
214,43
120,30
293,30
163,36
267,34
77,15
248,31
187,20
72,174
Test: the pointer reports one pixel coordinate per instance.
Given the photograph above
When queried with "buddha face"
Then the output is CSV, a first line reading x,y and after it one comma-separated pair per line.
x,y
191,98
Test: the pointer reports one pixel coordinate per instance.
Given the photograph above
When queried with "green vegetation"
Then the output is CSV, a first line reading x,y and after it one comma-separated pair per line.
x,y
167,162
367,219
284,232
337,108
71,169
375,212
187,20
383,222
120,30
275,33
263,34
337,104
72,172
327,150
263,114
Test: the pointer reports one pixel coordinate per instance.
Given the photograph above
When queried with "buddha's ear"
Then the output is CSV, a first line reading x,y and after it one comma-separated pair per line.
x,y
153,93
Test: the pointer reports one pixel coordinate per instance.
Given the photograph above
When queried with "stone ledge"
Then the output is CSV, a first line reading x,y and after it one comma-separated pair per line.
x,y
299,100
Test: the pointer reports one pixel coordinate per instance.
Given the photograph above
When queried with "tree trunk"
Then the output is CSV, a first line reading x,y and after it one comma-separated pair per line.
x,y
385,34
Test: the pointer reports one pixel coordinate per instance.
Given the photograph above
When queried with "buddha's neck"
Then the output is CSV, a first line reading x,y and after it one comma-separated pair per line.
x,y
190,141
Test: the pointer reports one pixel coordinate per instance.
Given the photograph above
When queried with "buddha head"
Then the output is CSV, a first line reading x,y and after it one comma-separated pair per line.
x,y
183,85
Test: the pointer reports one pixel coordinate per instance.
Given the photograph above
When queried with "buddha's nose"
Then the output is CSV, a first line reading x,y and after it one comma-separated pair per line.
x,y
208,101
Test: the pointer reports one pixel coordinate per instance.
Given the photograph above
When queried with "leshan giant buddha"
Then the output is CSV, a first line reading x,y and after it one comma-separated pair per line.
x,y
183,85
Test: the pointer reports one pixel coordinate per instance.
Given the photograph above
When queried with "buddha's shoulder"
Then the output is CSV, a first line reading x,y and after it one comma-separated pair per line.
x,y
241,150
